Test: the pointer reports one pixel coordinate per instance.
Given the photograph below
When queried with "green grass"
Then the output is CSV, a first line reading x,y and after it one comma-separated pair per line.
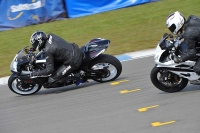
x,y
129,29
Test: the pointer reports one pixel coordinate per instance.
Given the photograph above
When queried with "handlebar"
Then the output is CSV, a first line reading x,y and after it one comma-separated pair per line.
x,y
175,41
31,50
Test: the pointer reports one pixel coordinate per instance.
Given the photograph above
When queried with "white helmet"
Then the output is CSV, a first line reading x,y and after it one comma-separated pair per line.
x,y
175,22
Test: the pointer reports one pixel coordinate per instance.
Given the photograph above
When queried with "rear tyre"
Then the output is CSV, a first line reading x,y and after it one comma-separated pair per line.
x,y
167,81
21,87
111,65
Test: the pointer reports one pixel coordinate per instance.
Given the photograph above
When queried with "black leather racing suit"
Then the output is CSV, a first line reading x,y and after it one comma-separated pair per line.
x,y
191,37
58,50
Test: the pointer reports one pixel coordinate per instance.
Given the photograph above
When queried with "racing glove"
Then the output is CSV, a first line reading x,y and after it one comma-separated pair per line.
x,y
177,59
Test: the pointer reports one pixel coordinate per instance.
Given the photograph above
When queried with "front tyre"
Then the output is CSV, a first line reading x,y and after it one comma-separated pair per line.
x,y
167,81
108,63
21,87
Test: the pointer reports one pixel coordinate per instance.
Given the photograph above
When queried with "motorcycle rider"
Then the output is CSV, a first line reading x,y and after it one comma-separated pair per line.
x,y
56,50
189,30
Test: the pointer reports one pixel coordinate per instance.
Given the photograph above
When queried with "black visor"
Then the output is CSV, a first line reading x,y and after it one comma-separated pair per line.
x,y
172,28
35,44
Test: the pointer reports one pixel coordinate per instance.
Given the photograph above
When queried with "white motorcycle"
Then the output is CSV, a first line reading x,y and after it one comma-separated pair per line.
x,y
167,75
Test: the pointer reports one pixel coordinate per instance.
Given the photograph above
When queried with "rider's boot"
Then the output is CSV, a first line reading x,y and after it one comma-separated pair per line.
x,y
79,81
196,82
78,78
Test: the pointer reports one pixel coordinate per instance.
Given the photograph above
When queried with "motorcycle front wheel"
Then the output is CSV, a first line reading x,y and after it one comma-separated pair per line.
x,y
21,87
167,81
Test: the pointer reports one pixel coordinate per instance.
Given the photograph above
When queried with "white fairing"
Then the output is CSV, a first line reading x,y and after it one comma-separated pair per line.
x,y
13,66
172,65
158,54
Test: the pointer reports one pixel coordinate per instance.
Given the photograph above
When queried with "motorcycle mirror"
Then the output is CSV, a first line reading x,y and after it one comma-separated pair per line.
x,y
171,36
32,49
26,51
165,35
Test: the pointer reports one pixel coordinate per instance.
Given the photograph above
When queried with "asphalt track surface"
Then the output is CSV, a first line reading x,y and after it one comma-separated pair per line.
x,y
131,104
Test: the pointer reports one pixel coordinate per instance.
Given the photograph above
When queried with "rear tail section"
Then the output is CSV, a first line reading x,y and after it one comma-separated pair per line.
x,y
94,48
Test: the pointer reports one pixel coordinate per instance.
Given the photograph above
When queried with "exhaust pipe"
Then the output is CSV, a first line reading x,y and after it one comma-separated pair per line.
x,y
24,77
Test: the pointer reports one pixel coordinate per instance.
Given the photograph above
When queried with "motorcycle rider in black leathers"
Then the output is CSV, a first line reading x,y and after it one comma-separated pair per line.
x,y
57,50
189,30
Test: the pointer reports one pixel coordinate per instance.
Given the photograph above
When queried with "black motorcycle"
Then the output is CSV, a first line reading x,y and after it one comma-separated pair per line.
x,y
95,65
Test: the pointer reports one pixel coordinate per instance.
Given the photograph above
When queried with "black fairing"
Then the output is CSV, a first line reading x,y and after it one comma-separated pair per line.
x,y
41,56
93,48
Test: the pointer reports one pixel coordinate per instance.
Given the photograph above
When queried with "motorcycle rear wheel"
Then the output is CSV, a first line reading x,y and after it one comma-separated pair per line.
x,y
20,87
114,67
171,82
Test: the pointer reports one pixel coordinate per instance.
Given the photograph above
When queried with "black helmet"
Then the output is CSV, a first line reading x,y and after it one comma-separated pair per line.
x,y
38,40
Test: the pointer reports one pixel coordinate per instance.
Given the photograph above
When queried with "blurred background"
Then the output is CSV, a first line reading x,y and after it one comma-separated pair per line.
x,y
131,25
